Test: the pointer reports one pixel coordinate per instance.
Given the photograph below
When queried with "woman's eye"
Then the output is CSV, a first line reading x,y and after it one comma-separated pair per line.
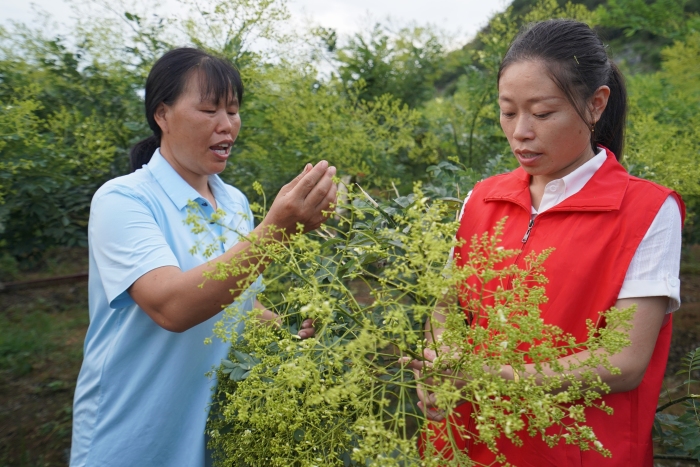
x,y
543,115
507,114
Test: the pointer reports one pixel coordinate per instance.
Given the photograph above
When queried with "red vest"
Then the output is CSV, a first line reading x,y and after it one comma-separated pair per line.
x,y
595,234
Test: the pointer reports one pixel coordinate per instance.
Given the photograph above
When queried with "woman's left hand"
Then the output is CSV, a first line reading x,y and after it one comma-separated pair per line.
x,y
427,400
420,368
270,317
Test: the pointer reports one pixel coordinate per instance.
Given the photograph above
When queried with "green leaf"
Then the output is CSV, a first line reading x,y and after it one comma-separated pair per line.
x,y
238,374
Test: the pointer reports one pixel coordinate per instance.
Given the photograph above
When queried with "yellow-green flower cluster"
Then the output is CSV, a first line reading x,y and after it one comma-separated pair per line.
x,y
371,279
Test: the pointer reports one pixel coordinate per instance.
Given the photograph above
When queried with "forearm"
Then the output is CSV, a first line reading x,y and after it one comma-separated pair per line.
x,y
178,300
632,361
628,378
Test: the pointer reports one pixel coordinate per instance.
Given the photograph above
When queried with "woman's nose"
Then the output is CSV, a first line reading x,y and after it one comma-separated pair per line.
x,y
522,128
223,122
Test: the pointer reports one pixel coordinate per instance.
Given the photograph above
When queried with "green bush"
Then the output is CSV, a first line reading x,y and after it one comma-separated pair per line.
x,y
383,113
65,126
342,397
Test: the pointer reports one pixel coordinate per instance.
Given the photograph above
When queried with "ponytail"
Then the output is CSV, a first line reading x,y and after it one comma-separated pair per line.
x,y
142,152
610,129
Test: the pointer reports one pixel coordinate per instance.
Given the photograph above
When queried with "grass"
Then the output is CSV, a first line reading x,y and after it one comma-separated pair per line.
x,y
41,341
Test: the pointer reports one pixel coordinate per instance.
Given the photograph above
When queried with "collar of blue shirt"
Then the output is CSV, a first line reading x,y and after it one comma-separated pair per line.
x,y
180,192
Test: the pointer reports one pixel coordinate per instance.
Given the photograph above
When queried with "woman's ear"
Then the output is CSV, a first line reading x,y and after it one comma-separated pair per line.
x,y
598,103
161,117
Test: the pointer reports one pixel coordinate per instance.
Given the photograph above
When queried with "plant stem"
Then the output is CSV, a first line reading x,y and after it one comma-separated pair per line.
x,y
675,457
677,401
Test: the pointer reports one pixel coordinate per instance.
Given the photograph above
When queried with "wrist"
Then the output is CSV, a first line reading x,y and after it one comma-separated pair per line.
x,y
509,373
269,231
271,318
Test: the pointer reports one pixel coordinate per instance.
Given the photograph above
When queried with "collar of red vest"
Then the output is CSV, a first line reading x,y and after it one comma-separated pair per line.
x,y
603,192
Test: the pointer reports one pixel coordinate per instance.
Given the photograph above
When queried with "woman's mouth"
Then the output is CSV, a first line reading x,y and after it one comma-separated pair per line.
x,y
222,150
527,157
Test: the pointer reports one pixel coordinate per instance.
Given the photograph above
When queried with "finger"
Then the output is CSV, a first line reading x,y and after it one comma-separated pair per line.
x,y
307,323
430,381
429,354
434,414
412,364
450,352
424,394
431,413
331,198
420,391
306,333
431,400
309,180
289,186
328,204
318,193
427,405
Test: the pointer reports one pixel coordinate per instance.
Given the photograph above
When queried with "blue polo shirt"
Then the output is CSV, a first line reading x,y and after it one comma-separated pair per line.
x,y
142,395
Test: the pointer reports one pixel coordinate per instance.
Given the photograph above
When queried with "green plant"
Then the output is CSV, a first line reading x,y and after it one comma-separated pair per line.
x,y
9,269
678,434
376,62
64,123
342,397
21,340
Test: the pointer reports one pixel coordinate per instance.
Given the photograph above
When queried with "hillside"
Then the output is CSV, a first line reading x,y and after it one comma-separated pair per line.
x,y
636,50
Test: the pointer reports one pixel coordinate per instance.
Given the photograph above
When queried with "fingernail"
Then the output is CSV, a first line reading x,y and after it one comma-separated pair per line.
x,y
308,167
323,164
331,171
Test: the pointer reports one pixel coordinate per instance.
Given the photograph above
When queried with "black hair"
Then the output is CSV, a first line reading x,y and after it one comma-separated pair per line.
x,y
166,82
577,61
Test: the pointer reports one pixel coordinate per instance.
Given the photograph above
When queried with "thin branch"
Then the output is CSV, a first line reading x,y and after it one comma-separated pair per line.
x,y
677,401
675,457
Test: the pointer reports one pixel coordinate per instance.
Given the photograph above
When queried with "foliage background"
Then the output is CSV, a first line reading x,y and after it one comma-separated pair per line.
x,y
382,105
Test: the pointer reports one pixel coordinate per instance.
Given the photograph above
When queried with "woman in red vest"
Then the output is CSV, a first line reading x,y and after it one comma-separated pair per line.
x,y
616,237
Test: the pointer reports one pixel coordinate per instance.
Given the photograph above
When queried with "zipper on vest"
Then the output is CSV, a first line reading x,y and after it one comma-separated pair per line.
x,y
530,225
529,229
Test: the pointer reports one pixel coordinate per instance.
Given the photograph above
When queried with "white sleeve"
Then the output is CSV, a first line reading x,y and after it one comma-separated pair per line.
x,y
459,218
654,270
464,204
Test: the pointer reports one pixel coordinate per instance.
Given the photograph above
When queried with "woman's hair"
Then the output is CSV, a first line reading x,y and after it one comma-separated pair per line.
x,y
166,82
578,63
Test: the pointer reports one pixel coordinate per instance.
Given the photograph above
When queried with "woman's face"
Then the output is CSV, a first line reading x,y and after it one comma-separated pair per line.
x,y
546,134
198,133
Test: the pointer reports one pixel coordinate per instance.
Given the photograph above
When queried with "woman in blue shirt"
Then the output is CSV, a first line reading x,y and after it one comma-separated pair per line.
x,y
141,396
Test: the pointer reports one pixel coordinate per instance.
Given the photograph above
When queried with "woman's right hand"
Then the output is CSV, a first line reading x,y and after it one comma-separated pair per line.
x,y
305,200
